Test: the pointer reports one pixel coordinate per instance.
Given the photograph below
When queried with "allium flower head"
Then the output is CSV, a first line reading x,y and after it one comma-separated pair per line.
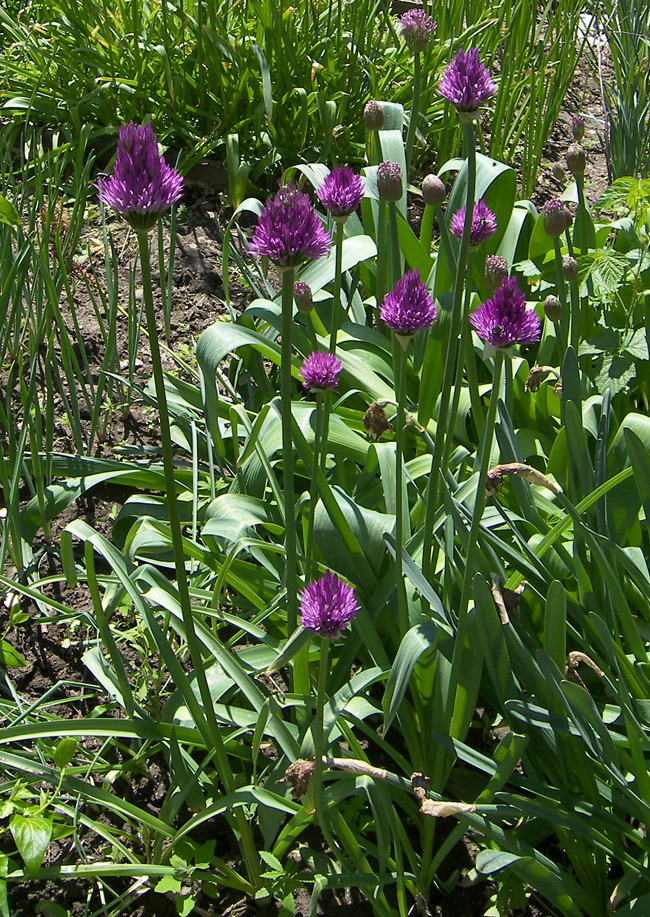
x,y
327,606
576,159
496,271
341,192
578,127
389,181
417,29
320,370
409,307
303,296
289,230
484,224
373,116
467,83
142,185
433,190
504,320
555,215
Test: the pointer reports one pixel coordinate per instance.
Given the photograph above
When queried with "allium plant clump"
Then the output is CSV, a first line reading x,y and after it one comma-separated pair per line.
x,y
142,185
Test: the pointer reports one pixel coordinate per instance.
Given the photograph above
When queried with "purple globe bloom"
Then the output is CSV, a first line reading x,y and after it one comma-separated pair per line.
x,y
484,224
320,370
417,29
289,230
504,320
341,192
327,606
409,307
467,83
142,185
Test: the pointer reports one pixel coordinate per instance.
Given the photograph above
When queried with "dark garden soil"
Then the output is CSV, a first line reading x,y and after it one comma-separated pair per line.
x,y
53,649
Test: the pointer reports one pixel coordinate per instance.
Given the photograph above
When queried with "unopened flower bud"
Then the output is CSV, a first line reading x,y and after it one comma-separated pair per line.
x,y
557,217
576,159
373,116
389,181
433,190
570,268
553,308
578,127
558,171
302,296
496,271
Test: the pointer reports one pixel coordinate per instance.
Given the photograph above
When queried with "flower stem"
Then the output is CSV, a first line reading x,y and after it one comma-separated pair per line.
x,y
395,254
399,364
479,501
452,352
313,487
319,724
415,111
336,305
202,713
287,453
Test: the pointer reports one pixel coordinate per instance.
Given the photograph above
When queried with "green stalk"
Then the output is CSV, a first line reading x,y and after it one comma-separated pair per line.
x,y
313,488
205,718
415,112
452,352
479,502
399,369
561,292
319,727
395,254
382,258
336,305
287,453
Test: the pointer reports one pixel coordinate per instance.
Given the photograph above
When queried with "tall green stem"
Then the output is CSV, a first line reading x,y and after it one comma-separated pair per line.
x,y
479,502
205,718
415,112
290,546
452,352
336,305
320,725
313,488
399,364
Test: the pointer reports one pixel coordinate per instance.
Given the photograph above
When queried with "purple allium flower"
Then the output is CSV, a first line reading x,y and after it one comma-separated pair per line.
x,y
417,29
467,83
504,320
373,116
578,127
496,271
484,224
303,296
289,230
555,215
341,192
320,370
389,181
327,606
433,190
409,307
142,185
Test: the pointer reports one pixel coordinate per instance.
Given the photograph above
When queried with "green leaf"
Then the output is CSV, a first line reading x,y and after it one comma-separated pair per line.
x,y
51,909
636,344
8,213
271,861
615,374
10,657
32,835
605,268
169,884
64,751
490,861
422,638
186,905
